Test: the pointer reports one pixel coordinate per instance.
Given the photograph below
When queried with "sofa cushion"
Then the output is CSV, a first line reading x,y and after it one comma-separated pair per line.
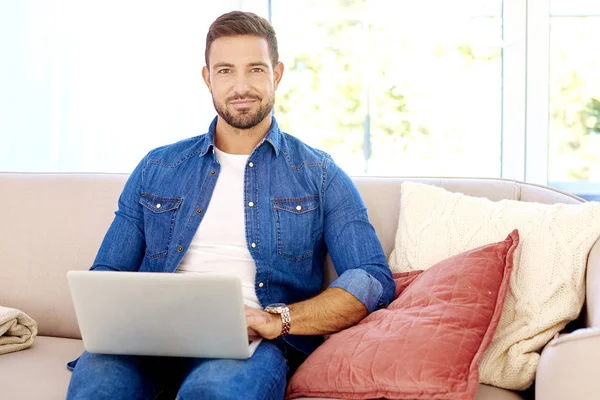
x,y
41,369
547,288
39,372
427,343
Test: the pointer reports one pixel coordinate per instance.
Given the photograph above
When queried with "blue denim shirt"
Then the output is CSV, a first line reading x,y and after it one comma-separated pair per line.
x,y
298,205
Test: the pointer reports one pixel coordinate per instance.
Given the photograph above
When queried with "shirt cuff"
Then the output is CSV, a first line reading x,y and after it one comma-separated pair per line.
x,y
361,285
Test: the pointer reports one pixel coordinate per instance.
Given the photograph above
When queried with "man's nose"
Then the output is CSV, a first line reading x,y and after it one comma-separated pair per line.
x,y
241,84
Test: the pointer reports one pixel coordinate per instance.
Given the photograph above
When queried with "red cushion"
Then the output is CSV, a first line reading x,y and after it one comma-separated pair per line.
x,y
427,343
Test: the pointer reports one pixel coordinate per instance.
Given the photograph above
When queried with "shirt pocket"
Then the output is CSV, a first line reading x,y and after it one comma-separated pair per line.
x,y
297,225
159,220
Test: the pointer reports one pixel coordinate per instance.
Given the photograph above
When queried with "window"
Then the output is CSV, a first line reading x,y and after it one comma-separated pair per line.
x,y
497,88
93,86
574,81
390,88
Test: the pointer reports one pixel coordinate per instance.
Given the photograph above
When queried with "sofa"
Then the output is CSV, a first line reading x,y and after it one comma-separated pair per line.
x,y
55,222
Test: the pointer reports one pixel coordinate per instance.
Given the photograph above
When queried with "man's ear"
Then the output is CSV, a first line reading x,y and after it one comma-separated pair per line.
x,y
278,73
206,76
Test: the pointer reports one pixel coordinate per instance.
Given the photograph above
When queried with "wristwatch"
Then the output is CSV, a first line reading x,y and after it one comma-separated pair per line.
x,y
284,311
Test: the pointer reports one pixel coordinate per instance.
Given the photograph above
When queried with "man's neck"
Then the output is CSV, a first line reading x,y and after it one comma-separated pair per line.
x,y
240,141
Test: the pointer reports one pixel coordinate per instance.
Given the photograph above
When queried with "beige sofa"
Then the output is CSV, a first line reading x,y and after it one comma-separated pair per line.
x,y
52,223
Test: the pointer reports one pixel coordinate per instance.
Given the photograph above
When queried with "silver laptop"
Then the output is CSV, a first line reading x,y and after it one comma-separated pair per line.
x,y
161,314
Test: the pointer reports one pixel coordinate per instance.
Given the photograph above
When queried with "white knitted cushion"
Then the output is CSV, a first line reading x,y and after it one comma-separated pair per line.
x,y
547,284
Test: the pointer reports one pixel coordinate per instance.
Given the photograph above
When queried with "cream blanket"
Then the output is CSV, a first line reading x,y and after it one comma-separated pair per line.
x,y
17,330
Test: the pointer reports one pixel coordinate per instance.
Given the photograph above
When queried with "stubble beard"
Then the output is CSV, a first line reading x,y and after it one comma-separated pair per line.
x,y
244,119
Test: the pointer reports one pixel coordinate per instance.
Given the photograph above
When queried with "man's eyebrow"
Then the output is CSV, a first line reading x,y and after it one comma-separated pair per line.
x,y
222,64
259,64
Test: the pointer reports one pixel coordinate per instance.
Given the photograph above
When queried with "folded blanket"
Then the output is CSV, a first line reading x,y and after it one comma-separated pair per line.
x,y
17,330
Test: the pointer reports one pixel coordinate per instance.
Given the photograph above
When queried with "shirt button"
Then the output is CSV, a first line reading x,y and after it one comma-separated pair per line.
x,y
261,284
251,204
213,172
298,208
199,211
158,205
253,245
251,165
180,249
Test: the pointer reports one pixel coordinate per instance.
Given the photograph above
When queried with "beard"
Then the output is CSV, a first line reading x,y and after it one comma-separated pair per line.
x,y
244,119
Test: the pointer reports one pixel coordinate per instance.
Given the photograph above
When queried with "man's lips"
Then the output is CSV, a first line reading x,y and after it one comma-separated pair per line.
x,y
241,103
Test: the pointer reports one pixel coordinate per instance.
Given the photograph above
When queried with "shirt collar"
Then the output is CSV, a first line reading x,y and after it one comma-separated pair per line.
x,y
273,136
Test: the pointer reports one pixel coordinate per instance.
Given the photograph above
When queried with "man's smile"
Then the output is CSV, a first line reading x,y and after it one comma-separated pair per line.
x,y
242,103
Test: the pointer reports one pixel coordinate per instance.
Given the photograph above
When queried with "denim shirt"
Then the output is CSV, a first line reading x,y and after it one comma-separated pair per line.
x,y
298,205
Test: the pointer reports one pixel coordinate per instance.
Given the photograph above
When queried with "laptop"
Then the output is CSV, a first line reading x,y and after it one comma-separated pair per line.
x,y
161,314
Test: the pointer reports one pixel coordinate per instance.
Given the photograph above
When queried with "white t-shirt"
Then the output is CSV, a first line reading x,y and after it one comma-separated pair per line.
x,y
219,245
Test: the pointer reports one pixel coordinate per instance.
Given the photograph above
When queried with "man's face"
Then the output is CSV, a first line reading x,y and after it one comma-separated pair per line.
x,y
242,80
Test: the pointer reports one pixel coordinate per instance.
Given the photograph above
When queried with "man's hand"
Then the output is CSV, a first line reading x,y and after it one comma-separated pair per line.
x,y
329,312
262,324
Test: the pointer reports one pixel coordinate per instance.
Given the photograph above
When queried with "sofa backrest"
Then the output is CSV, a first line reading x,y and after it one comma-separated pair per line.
x,y
53,223
381,196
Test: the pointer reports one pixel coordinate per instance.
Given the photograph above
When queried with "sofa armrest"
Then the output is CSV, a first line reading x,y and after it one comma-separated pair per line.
x,y
568,367
568,364
592,296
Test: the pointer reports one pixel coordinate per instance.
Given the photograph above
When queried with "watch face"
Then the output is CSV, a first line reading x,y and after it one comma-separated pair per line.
x,y
277,305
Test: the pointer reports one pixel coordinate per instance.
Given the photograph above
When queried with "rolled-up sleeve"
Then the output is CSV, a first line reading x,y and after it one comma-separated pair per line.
x,y
352,243
363,286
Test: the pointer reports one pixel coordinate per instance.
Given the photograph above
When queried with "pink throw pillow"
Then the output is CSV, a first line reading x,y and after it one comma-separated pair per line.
x,y
427,343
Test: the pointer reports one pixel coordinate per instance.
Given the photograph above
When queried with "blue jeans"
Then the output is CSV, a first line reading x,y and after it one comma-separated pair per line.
x,y
106,376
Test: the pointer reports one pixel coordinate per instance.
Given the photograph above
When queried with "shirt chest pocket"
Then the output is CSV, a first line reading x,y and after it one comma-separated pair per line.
x,y
159,221
298,224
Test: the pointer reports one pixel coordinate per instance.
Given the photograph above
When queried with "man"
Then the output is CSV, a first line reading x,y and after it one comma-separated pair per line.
x,y
250,200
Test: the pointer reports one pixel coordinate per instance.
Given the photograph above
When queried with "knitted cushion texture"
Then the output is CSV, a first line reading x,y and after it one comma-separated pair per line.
x,y
547,289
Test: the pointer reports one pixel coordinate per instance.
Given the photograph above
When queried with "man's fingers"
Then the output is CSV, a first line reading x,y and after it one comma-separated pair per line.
x,y
252,334
252,319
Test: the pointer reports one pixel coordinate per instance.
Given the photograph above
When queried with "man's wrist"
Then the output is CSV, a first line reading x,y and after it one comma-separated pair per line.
x,y
282,313
277,323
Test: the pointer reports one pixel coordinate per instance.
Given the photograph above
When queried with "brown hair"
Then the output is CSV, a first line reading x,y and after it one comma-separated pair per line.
x,y
242,23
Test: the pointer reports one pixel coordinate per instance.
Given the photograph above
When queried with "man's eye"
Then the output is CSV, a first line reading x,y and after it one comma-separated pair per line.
x,y
257,69
224,71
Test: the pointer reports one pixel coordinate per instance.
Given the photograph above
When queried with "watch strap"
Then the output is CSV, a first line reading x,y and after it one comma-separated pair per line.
x,y
285,321
284,311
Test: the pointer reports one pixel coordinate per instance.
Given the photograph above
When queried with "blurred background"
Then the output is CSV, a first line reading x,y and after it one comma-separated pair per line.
x,y
469,88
